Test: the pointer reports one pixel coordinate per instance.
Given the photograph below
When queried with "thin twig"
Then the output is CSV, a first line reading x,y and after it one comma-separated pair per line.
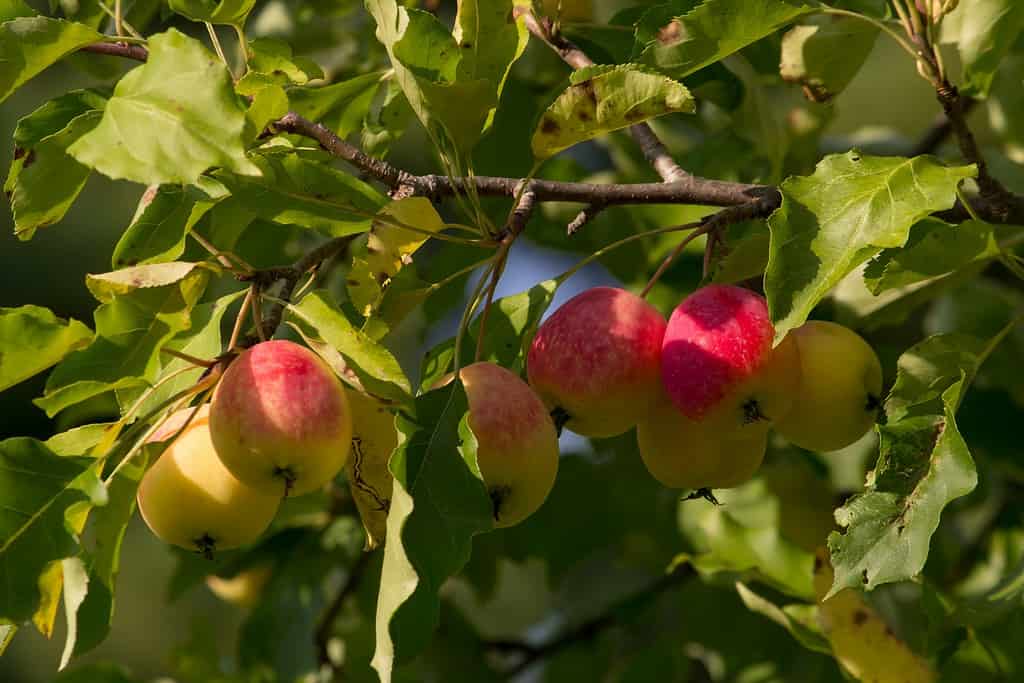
x,y
136,52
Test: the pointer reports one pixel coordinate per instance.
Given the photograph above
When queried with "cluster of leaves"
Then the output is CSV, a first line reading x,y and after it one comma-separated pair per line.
x,y
856,237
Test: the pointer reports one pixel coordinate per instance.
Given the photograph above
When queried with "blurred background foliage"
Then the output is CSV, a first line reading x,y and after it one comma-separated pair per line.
x,y
607,532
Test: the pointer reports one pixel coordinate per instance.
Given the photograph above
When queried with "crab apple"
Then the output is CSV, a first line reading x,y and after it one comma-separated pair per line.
x,y
280,420
189,499
517,447
598,359
682,453
840,391
718,365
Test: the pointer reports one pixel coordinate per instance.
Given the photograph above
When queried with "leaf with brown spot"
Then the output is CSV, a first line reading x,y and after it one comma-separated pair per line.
x,y
602,99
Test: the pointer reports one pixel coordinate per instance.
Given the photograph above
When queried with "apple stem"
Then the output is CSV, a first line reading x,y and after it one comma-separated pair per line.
x,y
704,493
205,546
560,416
498,496
288,475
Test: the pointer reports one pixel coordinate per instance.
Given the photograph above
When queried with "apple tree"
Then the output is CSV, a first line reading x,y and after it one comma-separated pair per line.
x,y
782,447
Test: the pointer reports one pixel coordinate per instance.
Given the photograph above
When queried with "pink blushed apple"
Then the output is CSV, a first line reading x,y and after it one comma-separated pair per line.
x,y
279,419
597,359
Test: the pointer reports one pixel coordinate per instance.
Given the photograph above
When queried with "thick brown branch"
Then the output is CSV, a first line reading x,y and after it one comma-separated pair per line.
x,y
136,52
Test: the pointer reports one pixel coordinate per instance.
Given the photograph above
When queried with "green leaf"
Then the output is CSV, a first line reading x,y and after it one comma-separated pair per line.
x,y
511,325
37,487
933,248
163,219
715,29
273,57
214,11
740,538
43,180
602,99
12,9
296,191
130,330
201,340
107,286
927,370
32,339
78,440
846,212
170,119
89,621
438,504
491,40
452,99
810,57
984,32
923,465
387,249
376,368
800,620
30,44
339,106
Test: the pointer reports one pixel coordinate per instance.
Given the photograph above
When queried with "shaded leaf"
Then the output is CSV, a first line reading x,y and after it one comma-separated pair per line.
x,y
30,44
339,106
927,370
170,119
214,11
846,212
810,57
32,339
165,215
800,620
602,99
43,180
296,191
984,32
933,248
274,58
714,29
376,368
438,504
37,487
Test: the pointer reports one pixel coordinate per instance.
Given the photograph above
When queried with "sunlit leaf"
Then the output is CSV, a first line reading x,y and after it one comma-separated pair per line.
x,y
30,44
214,11
32,339
183,92
850,209
602,99
810,57
984,32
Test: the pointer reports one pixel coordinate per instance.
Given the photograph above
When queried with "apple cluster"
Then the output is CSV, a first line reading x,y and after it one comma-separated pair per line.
x,y
704,389
279,424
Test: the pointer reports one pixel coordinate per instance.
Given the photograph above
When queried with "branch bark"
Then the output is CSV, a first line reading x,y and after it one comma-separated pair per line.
x,y
136,52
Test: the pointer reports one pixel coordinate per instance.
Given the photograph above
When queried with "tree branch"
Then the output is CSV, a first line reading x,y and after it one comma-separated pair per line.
x,y
588,630
136,52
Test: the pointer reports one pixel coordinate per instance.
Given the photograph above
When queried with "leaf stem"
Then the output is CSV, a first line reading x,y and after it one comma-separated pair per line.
x,y
881,25
243,313
217,47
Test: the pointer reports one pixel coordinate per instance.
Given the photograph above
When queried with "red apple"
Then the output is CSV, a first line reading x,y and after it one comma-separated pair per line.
x,y
279,419
597,359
